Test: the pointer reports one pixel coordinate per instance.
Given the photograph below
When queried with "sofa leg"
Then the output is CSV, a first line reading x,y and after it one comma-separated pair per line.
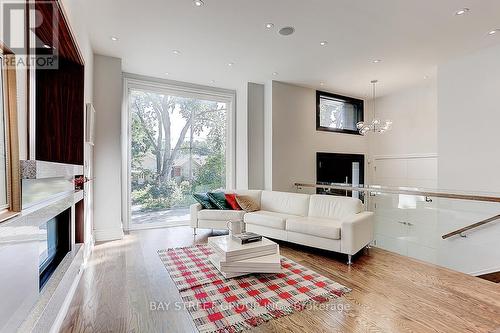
x,y
194,231
349,259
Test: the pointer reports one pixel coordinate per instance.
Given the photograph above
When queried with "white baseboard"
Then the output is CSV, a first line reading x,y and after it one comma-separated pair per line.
x,y
110,234
486,271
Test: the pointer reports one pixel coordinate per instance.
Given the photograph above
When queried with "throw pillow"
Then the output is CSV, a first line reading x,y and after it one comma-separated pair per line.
x,y
218,199
203,200
247,203
231,200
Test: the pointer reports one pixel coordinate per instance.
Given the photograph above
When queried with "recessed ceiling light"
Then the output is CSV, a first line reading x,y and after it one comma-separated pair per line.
x,y
376,61
176,52
212,81
462,11
269,25
167,73
321,84
230,64
323,43
275,73
494,32
114,39
198,3
287,31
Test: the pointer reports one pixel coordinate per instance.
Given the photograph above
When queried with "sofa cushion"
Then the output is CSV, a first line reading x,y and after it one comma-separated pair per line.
x,y
221,215
247,203
268,219
203,200
218,199
336,207
324,228
286,203
231,200
254,194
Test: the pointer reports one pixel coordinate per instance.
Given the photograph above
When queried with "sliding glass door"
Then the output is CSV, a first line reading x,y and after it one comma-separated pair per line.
x,y
178,146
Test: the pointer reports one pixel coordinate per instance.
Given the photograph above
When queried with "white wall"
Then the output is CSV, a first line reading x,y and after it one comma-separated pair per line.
x,y
468,122
413,111
242,136
469,156
255,136
268,135
407,154
107,151
295,139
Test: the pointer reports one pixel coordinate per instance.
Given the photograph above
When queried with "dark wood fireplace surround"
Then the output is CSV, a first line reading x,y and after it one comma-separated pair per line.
x,y
59,98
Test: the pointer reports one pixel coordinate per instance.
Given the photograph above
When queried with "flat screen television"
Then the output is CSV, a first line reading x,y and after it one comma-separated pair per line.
x,y
336,168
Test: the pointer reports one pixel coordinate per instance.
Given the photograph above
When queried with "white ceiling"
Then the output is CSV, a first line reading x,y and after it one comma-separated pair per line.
x,y
410,37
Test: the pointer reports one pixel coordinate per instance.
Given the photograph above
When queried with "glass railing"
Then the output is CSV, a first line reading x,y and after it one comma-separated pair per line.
x,y
455,229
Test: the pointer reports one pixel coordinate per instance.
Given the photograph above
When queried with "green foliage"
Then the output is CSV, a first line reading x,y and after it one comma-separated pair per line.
x,y
212,174
157,196
151,121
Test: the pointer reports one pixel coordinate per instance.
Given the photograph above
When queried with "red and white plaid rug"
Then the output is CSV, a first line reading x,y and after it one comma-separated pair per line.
x,y
224,305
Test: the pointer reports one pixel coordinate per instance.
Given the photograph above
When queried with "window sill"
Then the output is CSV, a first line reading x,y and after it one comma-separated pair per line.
x,y
7,215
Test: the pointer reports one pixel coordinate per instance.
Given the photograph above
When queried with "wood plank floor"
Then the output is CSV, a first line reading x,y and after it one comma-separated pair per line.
x,y
390,293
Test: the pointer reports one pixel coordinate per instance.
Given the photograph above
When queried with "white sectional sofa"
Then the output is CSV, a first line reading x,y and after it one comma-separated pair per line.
x,y
333,223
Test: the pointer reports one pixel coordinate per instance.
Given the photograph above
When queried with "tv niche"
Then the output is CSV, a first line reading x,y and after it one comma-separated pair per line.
x,y
337,168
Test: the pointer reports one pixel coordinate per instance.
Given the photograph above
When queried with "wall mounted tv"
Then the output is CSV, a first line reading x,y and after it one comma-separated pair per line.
x,y
339,169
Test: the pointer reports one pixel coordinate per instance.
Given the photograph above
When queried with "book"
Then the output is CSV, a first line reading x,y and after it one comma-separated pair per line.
x,y
246,237
264,264
229,250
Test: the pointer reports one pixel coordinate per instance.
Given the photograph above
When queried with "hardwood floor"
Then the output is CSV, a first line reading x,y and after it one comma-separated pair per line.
x,y
390,293
493,277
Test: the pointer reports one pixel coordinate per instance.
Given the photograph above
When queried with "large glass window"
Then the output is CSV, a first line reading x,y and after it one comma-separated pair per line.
x,y
178,147
337,113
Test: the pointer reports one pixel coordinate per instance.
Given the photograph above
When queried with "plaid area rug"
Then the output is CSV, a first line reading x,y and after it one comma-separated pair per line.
x,y
224,305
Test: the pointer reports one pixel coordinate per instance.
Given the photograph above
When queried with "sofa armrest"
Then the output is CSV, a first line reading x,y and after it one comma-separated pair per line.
x,y
356,232
193,211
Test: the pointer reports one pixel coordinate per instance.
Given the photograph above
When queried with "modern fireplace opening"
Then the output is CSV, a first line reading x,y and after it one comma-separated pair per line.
x,y
55,243
334,168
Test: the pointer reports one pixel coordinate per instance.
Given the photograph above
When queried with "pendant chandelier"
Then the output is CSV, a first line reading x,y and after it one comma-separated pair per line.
x,y
376,125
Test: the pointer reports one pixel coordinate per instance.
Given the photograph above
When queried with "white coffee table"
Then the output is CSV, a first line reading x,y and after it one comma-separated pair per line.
x,y
234,259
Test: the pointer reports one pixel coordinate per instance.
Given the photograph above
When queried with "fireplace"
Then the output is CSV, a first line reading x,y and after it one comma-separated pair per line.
x,y
55,243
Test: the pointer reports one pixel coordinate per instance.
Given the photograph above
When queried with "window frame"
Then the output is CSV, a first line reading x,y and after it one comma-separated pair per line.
x,y
4,114
12,163
358,103
182,89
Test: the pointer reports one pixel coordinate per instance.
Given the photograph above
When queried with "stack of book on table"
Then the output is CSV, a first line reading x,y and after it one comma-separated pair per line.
x,y
234,259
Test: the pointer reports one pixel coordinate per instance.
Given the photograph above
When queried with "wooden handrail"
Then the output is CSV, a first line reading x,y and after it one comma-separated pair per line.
x,y
472,226
422,193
